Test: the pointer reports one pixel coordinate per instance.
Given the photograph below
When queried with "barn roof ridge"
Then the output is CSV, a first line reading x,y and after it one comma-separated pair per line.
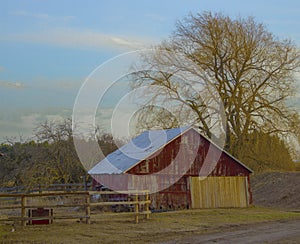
x,y
116,168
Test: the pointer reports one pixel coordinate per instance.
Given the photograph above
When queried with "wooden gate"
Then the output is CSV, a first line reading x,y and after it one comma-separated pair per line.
x,y
219,192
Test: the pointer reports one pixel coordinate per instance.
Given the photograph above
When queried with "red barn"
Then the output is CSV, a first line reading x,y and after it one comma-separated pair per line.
x,y
186,169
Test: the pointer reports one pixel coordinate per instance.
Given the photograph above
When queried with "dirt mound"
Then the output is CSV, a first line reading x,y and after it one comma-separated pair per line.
x,y
279,190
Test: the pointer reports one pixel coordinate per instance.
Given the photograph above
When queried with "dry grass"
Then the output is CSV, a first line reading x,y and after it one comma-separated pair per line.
x,y
120,228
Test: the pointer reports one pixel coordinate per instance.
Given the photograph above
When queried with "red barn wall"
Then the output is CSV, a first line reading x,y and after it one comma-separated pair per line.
x,y
178,195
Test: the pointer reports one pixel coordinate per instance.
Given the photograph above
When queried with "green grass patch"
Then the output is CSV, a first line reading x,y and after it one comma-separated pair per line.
x,y
4,231
120,228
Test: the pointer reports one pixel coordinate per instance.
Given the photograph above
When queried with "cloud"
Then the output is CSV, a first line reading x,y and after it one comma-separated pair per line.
x,y
24,13
78,38
55,84
13,85
1,69
56,118
75,38
42,16
22,121
31,120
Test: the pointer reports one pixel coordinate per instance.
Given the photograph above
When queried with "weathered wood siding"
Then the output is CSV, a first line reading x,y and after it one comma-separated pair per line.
x,y
218,192
225,166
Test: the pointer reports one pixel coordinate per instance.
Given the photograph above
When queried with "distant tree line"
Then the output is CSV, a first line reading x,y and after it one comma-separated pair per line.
x,y
52,159
49,159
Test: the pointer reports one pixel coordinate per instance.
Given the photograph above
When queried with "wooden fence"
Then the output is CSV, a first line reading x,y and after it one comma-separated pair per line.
x,y
85,186
22,204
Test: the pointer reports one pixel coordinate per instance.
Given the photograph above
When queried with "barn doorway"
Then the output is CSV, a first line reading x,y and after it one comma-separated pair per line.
x,y
219,192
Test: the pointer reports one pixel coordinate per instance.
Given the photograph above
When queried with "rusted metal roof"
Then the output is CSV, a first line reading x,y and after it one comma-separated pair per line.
x,y
136,150
142,147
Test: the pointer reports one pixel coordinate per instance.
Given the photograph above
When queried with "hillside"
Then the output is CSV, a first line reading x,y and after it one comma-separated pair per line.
x,y
275,189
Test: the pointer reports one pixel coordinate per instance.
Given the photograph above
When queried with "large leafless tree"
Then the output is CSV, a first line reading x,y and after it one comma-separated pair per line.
x,y
249,69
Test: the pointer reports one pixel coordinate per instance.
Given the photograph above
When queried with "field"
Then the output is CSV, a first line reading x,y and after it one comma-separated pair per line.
x,y
167,226
276,215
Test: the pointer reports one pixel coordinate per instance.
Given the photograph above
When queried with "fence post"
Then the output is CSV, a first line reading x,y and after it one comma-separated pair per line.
x,y
136,208
87,208
23,210
147,216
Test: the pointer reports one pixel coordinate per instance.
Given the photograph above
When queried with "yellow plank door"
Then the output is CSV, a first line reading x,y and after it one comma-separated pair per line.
x,y
219,192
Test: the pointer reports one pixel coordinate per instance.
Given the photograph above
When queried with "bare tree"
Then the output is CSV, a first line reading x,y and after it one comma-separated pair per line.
x,y
150,116
64,162
250,70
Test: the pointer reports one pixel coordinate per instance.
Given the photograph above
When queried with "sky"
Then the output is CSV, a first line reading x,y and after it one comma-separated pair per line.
x,y
48,48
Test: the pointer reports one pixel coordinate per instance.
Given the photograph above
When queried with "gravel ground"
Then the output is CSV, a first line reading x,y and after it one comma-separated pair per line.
x,y
273,232
277,190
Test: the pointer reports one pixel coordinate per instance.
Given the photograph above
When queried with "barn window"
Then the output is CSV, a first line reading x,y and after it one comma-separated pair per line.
x,y
144,167
185,140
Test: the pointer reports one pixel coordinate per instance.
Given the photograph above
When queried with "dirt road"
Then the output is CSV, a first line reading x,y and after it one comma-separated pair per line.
x,y
273,232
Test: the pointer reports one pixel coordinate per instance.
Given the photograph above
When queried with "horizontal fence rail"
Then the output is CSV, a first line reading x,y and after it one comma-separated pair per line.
x,y
42,188
85,200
